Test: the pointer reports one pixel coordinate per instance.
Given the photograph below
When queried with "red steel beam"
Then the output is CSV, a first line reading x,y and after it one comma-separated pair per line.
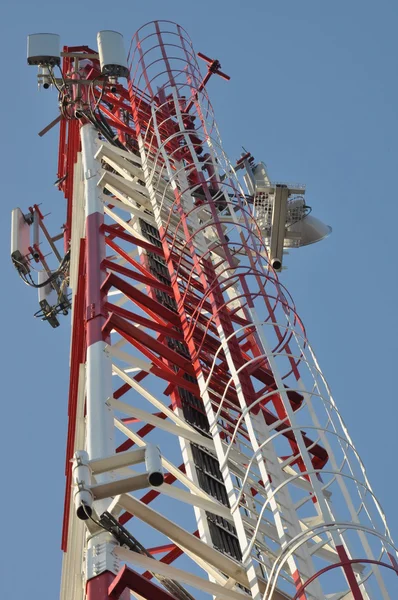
x,y
146,279
126,314
131,580
127,237
161,549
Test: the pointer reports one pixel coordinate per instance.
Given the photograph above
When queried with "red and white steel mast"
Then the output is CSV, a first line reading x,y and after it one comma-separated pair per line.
x,y
201,428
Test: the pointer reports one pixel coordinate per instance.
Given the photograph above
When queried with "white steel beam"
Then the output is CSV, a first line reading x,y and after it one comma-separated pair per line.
x,y
116,461
168,465
133,210
106,149
122,406
124,224
146,417
133,190
195,500
119,486
178,574
183,538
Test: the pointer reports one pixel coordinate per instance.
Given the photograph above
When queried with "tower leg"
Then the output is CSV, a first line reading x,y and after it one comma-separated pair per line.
x,y
101,563
97,588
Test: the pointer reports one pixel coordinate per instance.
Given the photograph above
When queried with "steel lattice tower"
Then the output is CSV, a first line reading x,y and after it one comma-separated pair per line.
x,y
183,337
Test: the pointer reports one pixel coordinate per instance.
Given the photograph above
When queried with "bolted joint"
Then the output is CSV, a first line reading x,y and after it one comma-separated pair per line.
x,y
215,66
100,556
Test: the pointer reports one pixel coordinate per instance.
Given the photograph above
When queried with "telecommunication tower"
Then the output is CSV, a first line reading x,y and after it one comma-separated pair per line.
x,y
201,430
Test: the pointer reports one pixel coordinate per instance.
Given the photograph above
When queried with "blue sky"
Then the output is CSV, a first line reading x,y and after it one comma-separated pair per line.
x,y
313,93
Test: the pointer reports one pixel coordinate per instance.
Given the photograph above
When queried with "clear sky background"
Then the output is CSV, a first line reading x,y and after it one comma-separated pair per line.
x,y
313,93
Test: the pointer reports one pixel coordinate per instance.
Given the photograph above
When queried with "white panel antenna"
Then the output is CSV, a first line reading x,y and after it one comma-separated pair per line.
x,y
44,49
112,55
20,241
